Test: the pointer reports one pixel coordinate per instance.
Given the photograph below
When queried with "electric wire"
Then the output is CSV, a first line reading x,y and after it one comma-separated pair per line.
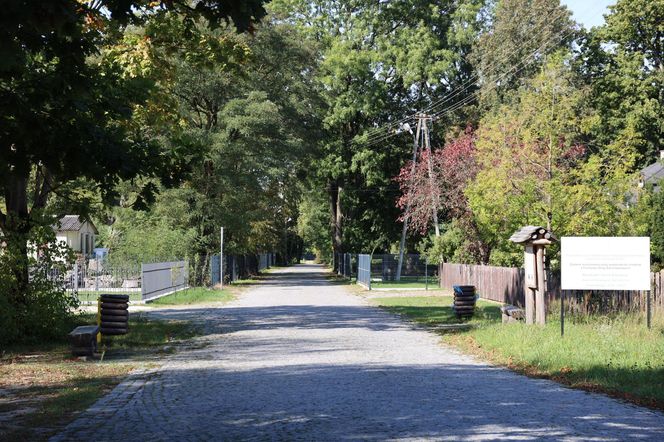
x,y
379,138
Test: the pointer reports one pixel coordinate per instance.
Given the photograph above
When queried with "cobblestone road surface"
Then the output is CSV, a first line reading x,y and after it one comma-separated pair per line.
x,y
300,359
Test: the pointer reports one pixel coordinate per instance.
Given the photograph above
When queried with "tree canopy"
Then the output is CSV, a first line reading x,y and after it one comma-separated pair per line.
x,y
290,124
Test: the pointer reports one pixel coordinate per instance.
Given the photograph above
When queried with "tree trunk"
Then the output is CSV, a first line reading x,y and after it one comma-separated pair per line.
x,y
335,220
200,266
16,229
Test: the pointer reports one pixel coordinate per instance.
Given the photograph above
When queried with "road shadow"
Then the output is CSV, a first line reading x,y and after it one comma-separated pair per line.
x,y
379,402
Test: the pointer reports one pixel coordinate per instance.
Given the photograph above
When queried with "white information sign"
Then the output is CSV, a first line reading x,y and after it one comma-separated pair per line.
x,y
605,263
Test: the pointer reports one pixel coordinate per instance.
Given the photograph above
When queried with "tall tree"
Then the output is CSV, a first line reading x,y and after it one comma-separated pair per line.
x,y
536,170
65,114
622,63
514,47
380,61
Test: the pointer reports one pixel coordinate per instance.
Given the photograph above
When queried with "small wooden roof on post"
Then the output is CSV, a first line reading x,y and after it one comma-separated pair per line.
x,y
535,235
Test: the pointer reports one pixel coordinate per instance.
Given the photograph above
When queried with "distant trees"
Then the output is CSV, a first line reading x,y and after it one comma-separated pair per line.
x,y
560,134
68,117
242,112
515,45
622,63
537,170
378,61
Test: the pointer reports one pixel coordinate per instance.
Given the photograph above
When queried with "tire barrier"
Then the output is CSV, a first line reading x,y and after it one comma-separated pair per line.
x,y
464,301
113,314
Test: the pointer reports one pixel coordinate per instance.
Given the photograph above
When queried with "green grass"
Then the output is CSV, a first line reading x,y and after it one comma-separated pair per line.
x,y
249,281
436,310
415,283
91,295
194,295
45,386
273,269
616,355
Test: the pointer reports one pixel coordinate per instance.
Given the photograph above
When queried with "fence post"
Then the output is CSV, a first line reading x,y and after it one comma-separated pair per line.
x,y
562,312
76,276
96,274
142,281
426,273
648,307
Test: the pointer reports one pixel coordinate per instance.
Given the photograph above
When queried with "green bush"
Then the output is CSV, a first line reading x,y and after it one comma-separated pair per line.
x,y
47,311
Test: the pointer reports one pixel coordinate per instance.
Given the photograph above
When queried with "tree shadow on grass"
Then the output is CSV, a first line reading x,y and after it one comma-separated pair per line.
x,y
444,315
37,412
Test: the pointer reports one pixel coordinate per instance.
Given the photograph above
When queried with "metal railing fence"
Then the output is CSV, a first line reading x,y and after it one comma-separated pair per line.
x,y
236,267
381,271
88,279
346,264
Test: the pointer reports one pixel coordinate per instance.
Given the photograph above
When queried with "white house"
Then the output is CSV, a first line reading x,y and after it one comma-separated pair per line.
x,y
653,174
79,235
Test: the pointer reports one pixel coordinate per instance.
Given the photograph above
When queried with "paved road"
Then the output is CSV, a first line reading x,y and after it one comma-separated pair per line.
x,y
300,359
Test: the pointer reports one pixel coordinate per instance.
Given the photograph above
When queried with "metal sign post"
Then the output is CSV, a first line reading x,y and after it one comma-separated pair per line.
x,y
221,259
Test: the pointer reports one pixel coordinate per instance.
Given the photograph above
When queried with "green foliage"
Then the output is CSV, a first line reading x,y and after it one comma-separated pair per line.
x,y
238,114
453,245
155,235
46,310
537,171
68,120
379,60
503,55
657,228
622,61
313,224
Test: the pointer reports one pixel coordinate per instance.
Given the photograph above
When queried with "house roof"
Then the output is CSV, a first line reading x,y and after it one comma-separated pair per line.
x,y
653,173
524,234
528,233
72,223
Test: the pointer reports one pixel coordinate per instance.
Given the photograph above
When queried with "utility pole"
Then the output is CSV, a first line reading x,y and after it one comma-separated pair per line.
x,y
434,197
404,230
421,142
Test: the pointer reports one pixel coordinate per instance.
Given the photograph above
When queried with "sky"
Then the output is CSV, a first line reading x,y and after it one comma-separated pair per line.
x,y
589,12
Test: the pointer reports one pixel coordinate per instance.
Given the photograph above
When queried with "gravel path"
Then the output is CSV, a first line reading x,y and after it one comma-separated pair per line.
x,y
298,358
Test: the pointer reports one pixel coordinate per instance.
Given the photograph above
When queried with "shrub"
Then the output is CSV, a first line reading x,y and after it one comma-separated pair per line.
x,y
48,310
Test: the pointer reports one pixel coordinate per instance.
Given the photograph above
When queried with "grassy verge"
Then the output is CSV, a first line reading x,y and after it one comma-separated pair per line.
x,y
618,356
43,386
407,284
195,295
273,269
91,295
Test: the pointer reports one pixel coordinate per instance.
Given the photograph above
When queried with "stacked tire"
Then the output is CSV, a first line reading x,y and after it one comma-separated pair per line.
x,y
114,314
464,301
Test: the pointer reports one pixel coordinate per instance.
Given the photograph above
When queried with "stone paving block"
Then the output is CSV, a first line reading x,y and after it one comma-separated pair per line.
x,y
299,359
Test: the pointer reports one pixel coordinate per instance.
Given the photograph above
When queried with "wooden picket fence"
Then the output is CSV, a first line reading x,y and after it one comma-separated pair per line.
x,y
506,285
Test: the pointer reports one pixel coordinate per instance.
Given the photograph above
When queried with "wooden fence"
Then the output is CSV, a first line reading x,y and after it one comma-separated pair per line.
x,y
506,285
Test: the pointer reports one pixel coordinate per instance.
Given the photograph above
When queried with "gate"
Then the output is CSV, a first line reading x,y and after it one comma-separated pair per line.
x,y
364,271
215,270
163,278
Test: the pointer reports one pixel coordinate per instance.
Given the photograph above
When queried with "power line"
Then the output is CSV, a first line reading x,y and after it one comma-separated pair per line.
x,y
517,68
472,80
376,137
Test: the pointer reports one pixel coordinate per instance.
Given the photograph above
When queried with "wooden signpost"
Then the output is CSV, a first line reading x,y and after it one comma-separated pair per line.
x,y
534,239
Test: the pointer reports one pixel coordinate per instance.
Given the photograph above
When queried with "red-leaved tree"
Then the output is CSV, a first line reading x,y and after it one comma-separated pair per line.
x,y
452,167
